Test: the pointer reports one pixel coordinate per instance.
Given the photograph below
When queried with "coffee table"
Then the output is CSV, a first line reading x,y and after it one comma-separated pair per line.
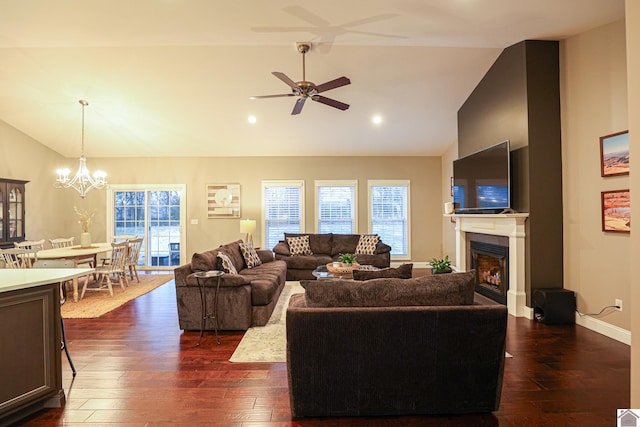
x,y
322,272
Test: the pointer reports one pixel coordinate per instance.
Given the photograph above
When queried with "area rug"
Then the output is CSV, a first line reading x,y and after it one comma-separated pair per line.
x,y
268,343
95,304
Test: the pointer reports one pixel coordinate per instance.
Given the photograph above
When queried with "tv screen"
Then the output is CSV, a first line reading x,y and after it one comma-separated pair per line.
x,y
481,180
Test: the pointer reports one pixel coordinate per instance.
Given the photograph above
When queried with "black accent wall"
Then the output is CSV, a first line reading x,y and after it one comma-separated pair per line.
x,y
519,100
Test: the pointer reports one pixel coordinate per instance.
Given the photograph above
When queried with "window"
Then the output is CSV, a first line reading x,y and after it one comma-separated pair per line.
x,y
389,215
282,209
154,212
336,207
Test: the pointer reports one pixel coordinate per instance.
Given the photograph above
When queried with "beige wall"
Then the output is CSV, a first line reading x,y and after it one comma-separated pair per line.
x,y
448,227
50,212
633,72
594,103
46,209
423,172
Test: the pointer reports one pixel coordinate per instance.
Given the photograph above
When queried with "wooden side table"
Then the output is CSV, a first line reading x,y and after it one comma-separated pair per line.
x,y
201,278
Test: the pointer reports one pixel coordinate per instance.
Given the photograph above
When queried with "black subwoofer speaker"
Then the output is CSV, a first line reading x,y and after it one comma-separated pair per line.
x,y
554,306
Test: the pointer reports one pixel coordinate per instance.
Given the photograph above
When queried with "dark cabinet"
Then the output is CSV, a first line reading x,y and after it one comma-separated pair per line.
x,y
12,225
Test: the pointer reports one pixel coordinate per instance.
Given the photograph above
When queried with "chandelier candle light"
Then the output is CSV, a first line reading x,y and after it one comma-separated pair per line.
x,y
82,181
248,226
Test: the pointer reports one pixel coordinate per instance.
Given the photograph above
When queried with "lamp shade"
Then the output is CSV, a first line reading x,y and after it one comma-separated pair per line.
x,y
247,225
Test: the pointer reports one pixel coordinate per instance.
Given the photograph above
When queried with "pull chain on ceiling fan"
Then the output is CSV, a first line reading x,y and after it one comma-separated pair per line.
x,y
305,89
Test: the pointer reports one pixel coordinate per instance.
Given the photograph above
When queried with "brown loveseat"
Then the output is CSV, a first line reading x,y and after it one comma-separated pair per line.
x,y
246,299
427,345
326,248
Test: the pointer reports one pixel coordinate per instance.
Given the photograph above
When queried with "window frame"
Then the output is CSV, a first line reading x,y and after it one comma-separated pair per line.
x,y
351,183
405,183
281,183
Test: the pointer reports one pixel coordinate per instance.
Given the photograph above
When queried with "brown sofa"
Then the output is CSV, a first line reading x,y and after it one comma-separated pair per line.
x,y
246,299
327,248
427,345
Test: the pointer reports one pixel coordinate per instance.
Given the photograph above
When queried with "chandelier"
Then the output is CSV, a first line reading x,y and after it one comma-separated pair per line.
x,y
82,181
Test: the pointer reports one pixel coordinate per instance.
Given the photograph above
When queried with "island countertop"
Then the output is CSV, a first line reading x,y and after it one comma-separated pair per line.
x,y
24,278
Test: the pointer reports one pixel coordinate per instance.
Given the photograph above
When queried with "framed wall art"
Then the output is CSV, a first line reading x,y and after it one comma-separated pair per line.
x,y
616,211
614,154
223,200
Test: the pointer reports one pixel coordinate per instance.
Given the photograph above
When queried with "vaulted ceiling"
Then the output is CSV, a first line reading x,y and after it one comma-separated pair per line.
x,y
174,77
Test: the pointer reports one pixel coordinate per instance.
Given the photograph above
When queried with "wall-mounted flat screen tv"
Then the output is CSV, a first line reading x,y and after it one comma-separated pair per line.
x,y
481,181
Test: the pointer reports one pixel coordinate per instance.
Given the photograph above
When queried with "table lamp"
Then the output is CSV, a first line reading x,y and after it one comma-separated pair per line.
x,y
248,226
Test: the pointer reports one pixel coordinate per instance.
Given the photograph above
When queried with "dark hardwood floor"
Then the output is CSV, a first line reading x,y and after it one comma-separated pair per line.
x,y
136,368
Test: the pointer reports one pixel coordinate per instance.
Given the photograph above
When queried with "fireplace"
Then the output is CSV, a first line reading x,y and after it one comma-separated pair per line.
x,y
491,262
507,230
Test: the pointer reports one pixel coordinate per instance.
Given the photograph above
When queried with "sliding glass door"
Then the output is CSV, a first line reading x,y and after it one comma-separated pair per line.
x,y
155,213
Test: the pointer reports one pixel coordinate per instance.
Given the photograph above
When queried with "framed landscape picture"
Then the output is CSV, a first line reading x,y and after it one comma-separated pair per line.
x,y
223,200
616,211
614,154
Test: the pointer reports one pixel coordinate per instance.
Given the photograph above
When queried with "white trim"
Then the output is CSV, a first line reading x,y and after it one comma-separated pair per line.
x,y
604,328
352,183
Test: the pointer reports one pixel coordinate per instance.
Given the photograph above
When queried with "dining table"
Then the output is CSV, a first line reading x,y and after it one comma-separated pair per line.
x,y
75,253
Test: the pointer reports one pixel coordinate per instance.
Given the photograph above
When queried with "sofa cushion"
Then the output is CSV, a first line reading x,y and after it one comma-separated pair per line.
x,y
205,261
367,244
438,290
320,243
263,291
232,250
251,258
227,265
344,244
402,272
307,262
299,245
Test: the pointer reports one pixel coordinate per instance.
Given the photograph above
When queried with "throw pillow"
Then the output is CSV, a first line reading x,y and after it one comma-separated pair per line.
x,y
367,244
299,245
227,265
402,272
250,255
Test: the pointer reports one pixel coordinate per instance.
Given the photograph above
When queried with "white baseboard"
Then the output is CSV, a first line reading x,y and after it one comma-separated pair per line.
x,y
604,328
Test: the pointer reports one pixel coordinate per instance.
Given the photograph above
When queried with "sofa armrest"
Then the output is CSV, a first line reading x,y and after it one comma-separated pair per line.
x,y
181,273
282,248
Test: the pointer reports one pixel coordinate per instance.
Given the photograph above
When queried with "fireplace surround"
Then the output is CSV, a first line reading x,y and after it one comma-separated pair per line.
x,y
492,228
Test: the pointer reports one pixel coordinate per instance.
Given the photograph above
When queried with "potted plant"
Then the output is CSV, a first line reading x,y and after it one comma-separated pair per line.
x,y
347,259
440,266
85,223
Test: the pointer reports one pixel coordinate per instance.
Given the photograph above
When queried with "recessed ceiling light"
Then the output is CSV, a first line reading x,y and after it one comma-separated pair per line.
x,y
252,119
376,120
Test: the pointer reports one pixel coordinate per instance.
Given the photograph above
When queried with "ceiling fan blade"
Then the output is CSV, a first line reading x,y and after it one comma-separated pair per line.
x,y
340,81
287,80
270,96
331,102
298,107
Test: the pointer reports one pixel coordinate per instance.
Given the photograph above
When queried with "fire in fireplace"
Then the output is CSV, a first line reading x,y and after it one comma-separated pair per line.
x,y
491,263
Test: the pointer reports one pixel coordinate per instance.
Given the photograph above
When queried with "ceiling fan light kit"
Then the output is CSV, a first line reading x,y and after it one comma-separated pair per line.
x,y
305,89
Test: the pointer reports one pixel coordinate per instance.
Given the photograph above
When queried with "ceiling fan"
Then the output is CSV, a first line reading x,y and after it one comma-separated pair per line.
x,y
304,89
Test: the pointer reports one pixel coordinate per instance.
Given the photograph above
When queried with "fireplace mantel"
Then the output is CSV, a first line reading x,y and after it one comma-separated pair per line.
x,y
511,226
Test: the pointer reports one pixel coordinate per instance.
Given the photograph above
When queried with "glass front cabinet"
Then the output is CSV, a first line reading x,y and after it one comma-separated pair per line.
x,y
11,212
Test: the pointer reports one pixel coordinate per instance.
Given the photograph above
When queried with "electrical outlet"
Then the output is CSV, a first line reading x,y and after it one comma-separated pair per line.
x,y
619,304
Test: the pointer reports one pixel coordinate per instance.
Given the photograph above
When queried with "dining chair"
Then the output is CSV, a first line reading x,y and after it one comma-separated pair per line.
x,y
117,239
63,242
33,246
16,257
60,263
116,267
132,257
